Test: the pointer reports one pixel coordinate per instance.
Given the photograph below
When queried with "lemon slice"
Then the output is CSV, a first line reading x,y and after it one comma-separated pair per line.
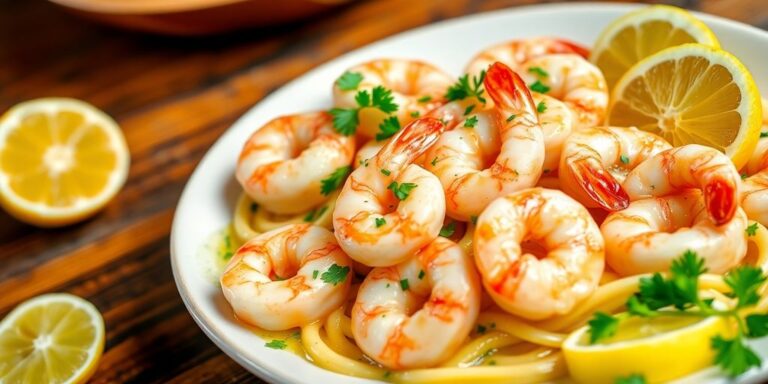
x,y
61,160
53,338
692,94
641,33
660,349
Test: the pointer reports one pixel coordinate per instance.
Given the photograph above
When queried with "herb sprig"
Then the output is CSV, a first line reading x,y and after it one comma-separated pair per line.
x,y
464,88
346,120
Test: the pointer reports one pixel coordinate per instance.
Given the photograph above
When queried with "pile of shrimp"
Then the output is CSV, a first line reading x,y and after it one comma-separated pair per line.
x,y
500,196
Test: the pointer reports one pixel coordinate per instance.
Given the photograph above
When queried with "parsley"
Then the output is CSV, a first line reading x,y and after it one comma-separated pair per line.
x,y
744,176
388,128
415,114
469,109
751,229
424,99
254,207
463,88
421,274
335,274
631,379
763,134
315,214
538,71
349,81
386,172
624,159
345,120
314,274
678,295
448,230
481,329
470,122
510,118
539,87
434,161
401,191
276,344
473,219
379,221
334,180
404,284
541,108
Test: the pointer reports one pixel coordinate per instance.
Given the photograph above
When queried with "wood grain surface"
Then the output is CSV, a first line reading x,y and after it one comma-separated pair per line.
x,y
173,97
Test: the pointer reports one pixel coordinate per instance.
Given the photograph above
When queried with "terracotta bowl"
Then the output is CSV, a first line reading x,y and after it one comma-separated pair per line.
x,y
195,17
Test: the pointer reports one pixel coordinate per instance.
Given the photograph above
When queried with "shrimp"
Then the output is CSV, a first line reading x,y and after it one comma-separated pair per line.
x,y
649,234
516,52
539,253
573,80
556,123
282,164
689,166
508,137
417,87
391,207
595,161
272,280
393,327
367,151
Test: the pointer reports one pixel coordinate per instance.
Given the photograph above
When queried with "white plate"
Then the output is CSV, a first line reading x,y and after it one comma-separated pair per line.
x,y
208,199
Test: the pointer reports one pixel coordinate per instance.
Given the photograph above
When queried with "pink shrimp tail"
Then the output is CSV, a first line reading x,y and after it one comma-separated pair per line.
x,y
599,185
508,90
567,46
415,138
721,200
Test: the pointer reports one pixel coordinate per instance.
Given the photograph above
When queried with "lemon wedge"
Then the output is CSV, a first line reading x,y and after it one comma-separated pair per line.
x,y
61,160
692,94
660,349
641,33
53,338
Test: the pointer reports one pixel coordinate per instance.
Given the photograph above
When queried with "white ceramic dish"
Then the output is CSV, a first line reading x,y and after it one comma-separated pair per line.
x,y
208,199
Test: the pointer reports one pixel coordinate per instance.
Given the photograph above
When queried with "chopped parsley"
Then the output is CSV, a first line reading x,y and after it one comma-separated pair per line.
x,y
386,172
402,190
448,230
415,114
538,71
334,180
481,329
314,274
473,219
434,161
421,274
349,81
510,118
345,120
539,87
424,99
752,229
470,122
404,284
315,214
744,176
388,128
464,88
764,134
469,109
379,221
335,274
276,344
631,379
541,107
624,159
602,326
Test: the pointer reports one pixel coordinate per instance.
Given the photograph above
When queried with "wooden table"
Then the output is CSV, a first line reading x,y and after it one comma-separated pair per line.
x,y
173,97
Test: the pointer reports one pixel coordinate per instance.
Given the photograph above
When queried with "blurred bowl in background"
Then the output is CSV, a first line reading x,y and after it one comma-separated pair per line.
x,y
195,17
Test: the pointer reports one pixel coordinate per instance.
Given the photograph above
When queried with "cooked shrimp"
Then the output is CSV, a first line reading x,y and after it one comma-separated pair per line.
x,y
689,166
272,281
516,52
390,208
649,234
556,123
575,81
393,327
595,161
367,151
282,164
502,152
539,252
417,87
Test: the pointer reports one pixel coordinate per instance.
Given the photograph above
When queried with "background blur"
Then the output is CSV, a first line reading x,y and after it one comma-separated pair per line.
x,y
173,96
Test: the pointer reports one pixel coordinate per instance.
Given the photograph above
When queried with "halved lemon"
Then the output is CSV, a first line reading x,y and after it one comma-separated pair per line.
x,y
692,94
641,33
661,349
61,160
53,338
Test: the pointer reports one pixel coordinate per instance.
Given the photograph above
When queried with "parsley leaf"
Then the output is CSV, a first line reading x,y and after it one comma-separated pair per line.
x,y
434,161
386,172
733,356
539,71
463,88
763,134
335,274
473,219
380,221
469,109
470,122
315,273
539,87
481,329
334,180
685,275
315,214
624,159
634,378
752,229
744,176
745,282
349,81
602,326
424,99
541,107
638,308
345,120
383,100
388,128
401,191
415,114
404,284
757,325
276,344
448,230
422,274
510,118
363,99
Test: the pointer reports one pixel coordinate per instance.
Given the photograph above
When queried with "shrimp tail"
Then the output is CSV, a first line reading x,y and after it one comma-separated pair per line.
x,y
601,187
721,201
508,90
413,140
567,46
